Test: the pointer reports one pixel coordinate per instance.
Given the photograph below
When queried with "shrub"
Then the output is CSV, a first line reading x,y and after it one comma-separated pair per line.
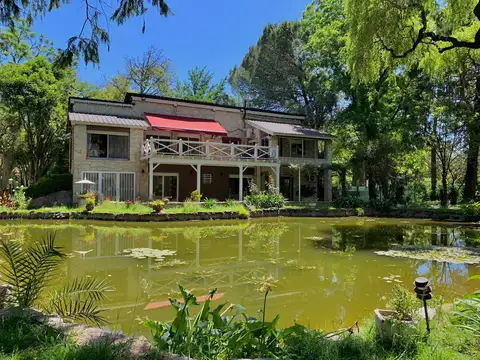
x,y
196,196
265,201
467,311
158,206
190,207
209,203
50,184
90,203
471,209
19,199
350,201
403,302
381,205
230,202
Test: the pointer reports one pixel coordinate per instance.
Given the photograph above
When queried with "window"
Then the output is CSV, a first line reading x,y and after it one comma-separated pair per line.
x,y
297,148
117,185
207,179
110,146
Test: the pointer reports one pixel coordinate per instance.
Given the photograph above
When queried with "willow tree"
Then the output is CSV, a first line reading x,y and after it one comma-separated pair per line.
x,y
437,35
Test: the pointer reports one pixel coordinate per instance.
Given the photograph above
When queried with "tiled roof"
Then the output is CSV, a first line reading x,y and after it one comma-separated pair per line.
x,y
107,120
274,128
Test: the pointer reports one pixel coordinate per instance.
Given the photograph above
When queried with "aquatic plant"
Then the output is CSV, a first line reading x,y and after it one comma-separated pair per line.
x,y
29,271
452,255
143,253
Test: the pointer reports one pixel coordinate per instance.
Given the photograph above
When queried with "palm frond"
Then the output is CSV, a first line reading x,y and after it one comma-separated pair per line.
x,y
79,300
29,270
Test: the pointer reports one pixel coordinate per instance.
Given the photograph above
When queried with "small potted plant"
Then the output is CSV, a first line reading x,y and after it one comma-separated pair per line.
x,y
402,306
158,206
90,203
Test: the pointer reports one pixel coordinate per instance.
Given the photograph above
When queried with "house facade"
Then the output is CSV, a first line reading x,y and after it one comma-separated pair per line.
x,y
154,147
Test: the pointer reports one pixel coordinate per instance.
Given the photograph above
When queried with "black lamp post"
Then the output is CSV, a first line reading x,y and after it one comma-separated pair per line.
x,y
423,289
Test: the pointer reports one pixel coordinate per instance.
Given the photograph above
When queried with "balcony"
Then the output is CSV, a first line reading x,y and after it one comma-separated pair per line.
x,y
207,150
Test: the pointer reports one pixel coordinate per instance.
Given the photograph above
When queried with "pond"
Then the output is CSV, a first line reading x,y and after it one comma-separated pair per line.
x,y
325,273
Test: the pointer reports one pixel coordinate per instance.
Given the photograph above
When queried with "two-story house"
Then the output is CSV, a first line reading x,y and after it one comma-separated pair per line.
x,y
155,147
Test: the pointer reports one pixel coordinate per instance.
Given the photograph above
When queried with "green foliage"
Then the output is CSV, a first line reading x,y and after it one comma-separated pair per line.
x,y
471,209
195,196
90,203
199,87
350,201
265,201
403,302
230,202
209,203
19,199
467,311
29,271
158,206
243,213
122,207
216,333
49,184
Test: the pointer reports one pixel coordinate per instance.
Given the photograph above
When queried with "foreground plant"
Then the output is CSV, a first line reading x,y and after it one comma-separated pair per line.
x,y
29,271
214,334
467,314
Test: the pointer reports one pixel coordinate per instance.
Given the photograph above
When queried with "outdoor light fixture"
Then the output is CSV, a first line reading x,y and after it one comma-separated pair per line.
x,y
423,289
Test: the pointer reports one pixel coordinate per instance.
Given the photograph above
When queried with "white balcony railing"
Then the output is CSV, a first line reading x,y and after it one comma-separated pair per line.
x,y
183,148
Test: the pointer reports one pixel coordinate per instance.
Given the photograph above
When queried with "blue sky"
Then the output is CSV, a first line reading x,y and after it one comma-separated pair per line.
x,y
212,33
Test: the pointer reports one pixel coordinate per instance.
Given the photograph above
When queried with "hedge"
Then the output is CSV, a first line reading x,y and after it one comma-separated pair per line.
x,y
50,184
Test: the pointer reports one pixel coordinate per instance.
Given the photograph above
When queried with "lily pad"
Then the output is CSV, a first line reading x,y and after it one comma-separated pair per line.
x,y
454,255
143,253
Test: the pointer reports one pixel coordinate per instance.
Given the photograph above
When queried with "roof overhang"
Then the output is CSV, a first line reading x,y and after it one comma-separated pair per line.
x,y
106,120
289,130
185,124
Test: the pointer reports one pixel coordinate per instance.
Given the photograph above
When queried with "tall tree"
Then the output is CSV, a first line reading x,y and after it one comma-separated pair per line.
x,y
34,95
200,86
277,74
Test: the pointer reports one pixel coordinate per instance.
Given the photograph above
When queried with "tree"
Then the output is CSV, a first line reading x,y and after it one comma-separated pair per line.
x,y
199,86
93,32
277,74
18,43
34,97
403,28
149,74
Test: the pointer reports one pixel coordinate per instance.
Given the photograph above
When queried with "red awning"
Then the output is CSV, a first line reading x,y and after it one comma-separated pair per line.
x,y
185,124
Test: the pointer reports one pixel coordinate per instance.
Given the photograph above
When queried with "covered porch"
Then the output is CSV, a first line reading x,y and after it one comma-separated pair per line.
x,y
176,179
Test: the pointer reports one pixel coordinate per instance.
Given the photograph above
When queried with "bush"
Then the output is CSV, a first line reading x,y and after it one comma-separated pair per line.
x,y
230,202
50,184
195,196
350,201
266,201
209,203
471,209
19,199
381,205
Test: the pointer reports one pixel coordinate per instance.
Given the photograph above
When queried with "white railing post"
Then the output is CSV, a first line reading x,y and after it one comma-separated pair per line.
x,y
151,147
232,151
255,151
207,149
180,147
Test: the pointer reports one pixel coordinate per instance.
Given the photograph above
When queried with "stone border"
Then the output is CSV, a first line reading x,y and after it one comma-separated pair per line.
x,y
436,215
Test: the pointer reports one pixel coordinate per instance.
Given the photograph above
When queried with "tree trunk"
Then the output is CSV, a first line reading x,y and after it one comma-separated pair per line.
x,y
471,172
372,189
433,174
444,192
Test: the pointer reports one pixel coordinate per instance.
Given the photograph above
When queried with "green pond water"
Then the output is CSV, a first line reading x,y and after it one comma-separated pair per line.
x,y
325,272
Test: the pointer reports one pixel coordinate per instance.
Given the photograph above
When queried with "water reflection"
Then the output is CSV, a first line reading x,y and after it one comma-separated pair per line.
x,y
325,271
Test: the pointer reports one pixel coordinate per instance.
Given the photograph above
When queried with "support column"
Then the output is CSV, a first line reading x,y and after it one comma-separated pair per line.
x,y
240,183
299,184
150,179
258,177
199,178
277,178
327,184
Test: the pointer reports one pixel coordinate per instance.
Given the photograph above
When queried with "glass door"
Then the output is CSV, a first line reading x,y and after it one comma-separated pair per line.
x,y
165,186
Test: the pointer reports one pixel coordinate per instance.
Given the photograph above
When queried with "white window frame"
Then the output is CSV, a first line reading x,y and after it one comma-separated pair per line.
x,y
116,133
207,178
117,190
163,174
